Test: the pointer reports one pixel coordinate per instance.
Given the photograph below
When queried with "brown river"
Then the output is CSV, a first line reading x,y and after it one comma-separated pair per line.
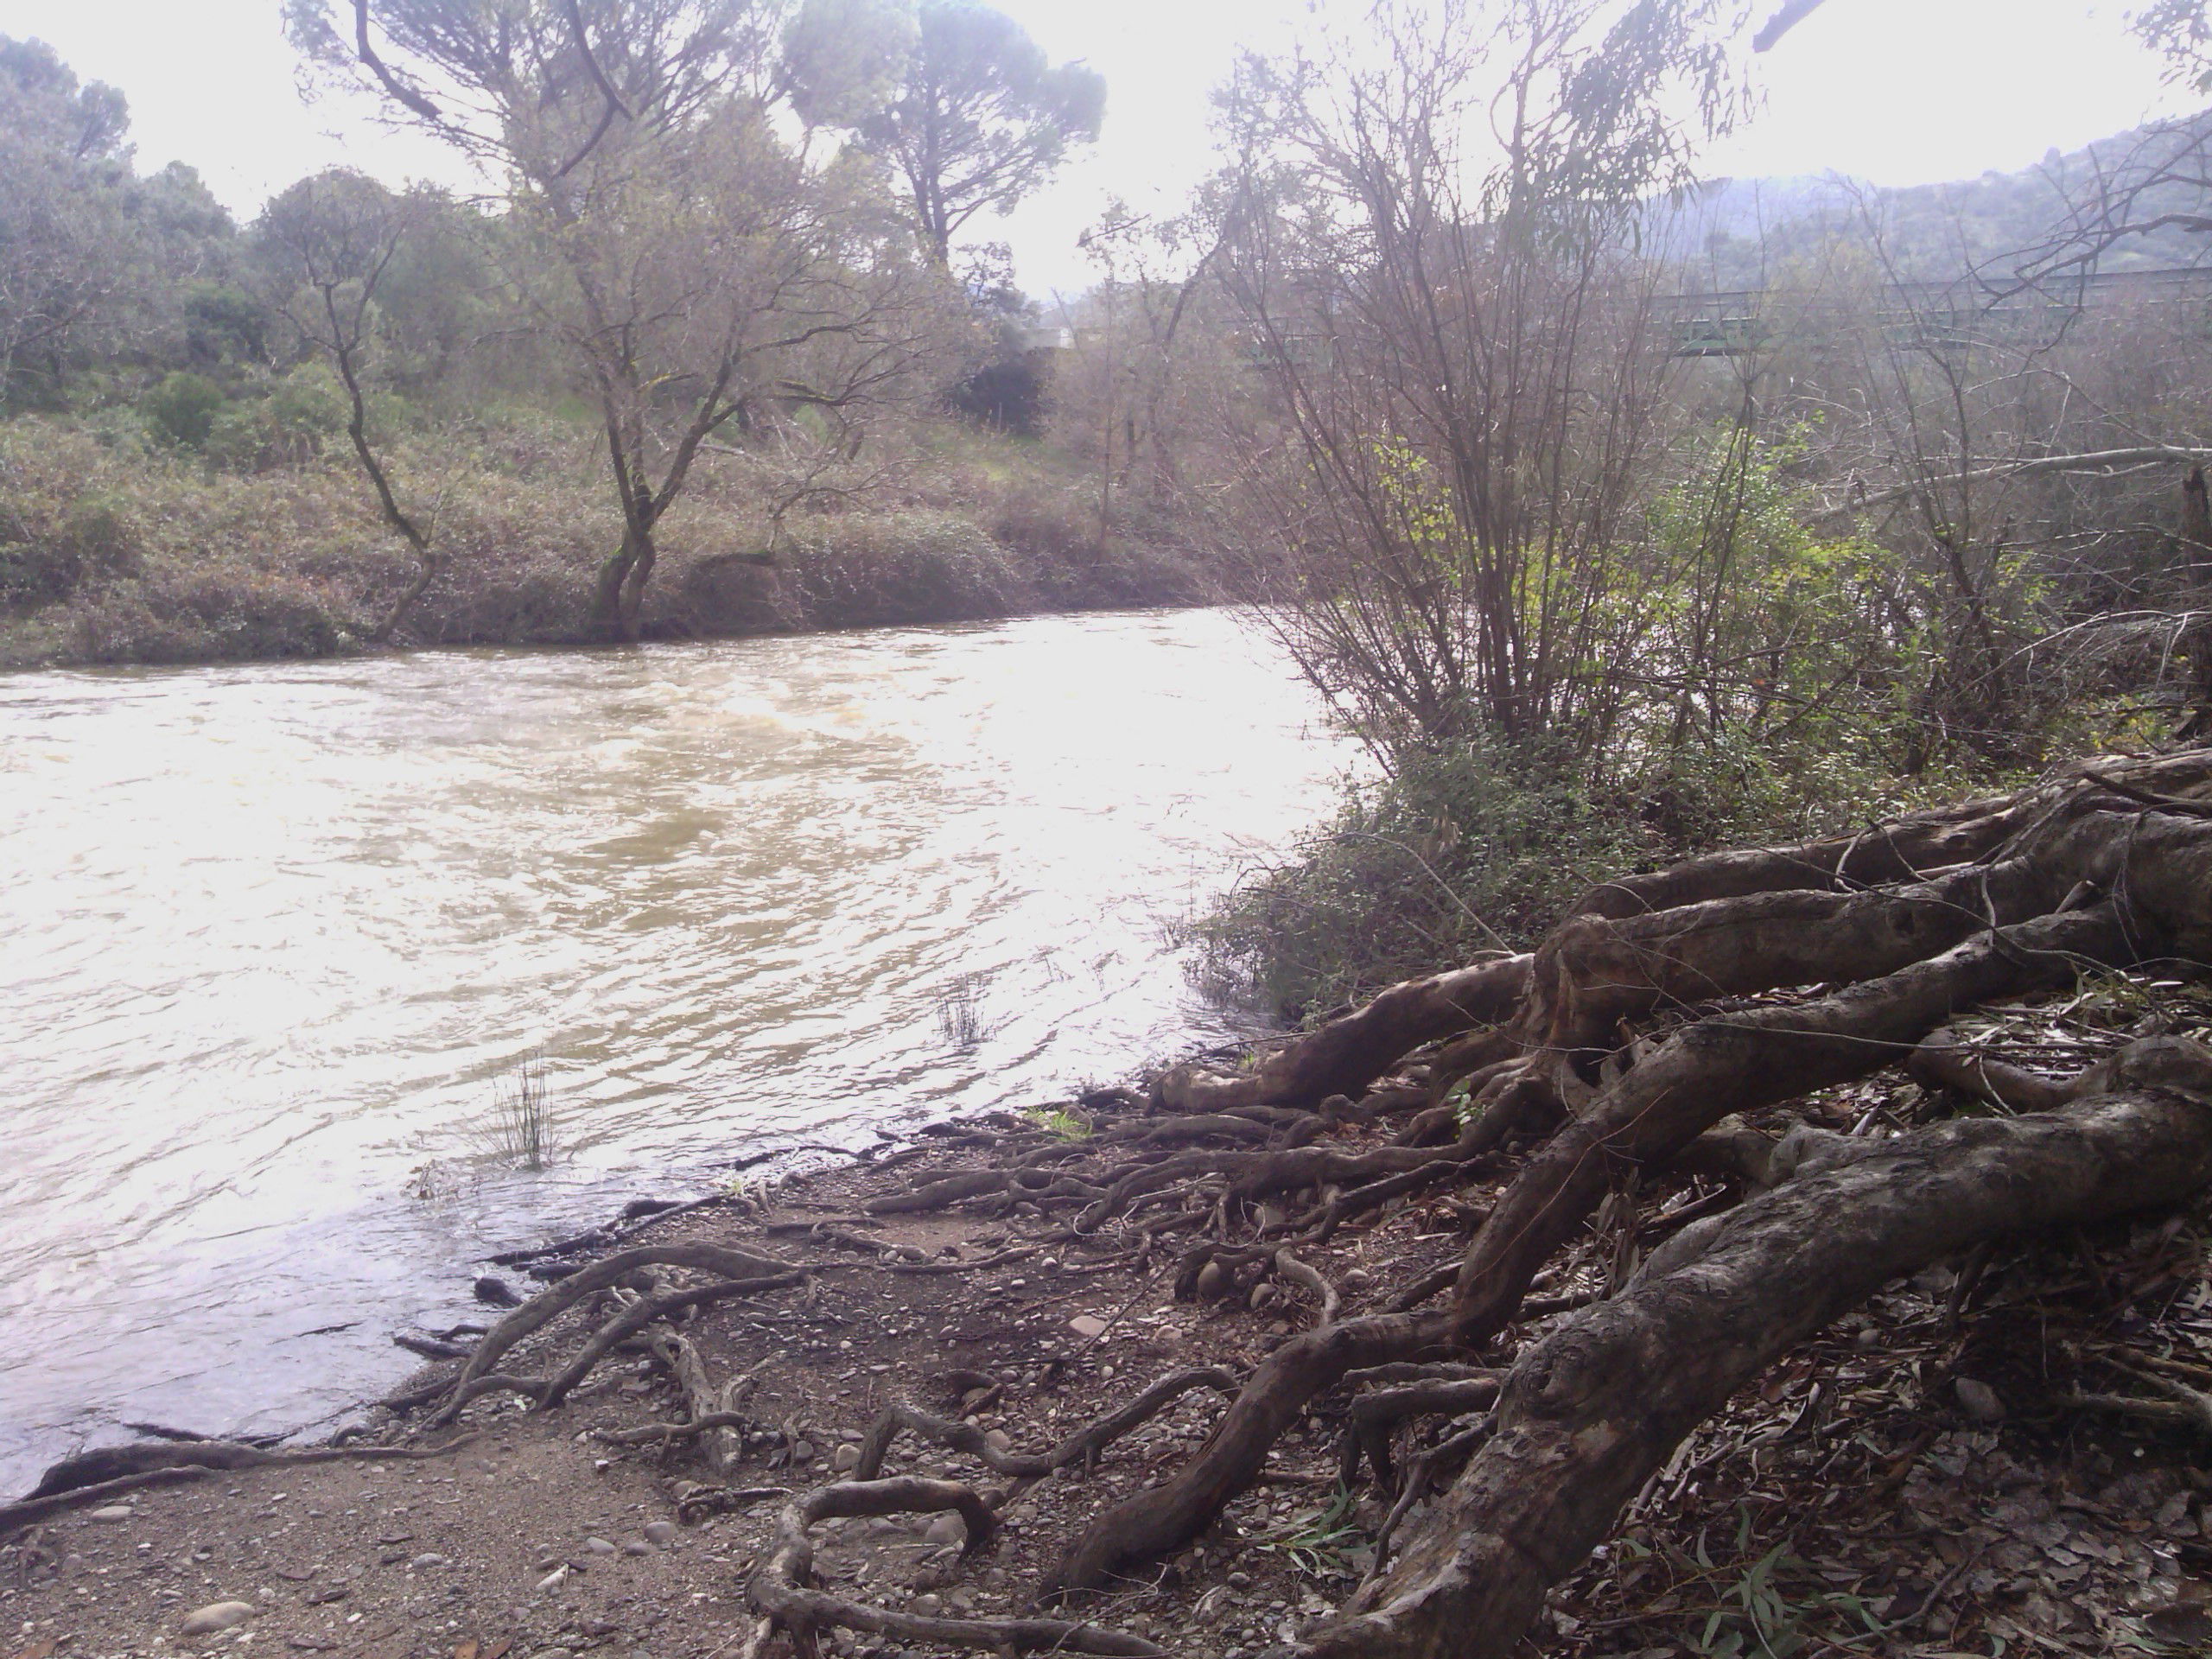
x,y
273,938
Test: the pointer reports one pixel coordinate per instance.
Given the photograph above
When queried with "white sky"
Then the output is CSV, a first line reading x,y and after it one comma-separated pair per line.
x,y
1900,91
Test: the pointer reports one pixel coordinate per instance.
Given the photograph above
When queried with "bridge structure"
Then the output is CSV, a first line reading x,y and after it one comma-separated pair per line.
x,y
1739,322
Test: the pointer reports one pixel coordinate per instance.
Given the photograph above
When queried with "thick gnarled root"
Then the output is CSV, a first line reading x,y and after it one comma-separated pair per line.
x,y
1660,1105
1591,1414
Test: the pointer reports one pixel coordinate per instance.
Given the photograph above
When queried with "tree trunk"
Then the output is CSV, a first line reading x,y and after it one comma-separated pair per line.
x,y
620,591
631,598
2196,548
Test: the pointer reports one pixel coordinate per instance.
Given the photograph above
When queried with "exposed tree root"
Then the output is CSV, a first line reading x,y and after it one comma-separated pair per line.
x,y
2176,1403
781,1587
1082,1446
1630,1038
1943,1062
1348,1054
746,1275
1592,1412
93,1477
1701,1073
1309,1278
719,1437
1374,1414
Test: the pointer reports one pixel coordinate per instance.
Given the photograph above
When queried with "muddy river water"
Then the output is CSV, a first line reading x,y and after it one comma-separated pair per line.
x,y
274,939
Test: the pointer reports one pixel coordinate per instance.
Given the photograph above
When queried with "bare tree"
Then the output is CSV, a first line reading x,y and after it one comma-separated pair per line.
x,y
340,232
1434,252
704,277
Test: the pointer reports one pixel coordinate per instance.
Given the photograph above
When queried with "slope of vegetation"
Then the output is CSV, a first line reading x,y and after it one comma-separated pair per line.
x,y
116,548
682,374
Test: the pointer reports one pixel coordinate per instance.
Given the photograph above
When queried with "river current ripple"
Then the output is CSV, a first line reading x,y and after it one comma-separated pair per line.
x,y
273,935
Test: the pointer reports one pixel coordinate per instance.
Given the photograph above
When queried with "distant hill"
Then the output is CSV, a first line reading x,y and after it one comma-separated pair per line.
x,y
1739,232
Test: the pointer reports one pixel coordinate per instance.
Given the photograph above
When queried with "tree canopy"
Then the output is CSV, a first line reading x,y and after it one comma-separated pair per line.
x,y
90,252
979,118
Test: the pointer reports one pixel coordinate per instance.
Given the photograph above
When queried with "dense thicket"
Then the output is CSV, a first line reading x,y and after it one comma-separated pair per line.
x,y
1604,563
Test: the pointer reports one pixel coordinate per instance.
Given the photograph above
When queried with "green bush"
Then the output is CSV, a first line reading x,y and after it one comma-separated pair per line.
x,y
183,409
309,403
1467,849
302,413
1461,851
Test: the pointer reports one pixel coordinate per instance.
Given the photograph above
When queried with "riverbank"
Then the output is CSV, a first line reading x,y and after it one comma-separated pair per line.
x,y
1862,1493
112,552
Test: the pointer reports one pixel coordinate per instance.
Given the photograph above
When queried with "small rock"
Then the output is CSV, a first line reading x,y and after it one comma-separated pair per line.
x,y
429,1558
217,1616
1240,1580
599,1547
947,1529
1358,1279
1087,1326
998,1440
925,1606
114,1512
1212,1605
845,1457
553,1653
636,1547
1979,1401
1212,1282
554,1580
1264,1296
662,1533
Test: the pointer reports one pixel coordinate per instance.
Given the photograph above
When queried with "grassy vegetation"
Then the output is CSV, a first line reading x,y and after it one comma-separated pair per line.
x,y
121,542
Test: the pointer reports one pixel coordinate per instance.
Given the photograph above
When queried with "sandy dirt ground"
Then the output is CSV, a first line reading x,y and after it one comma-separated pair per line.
x,y
1922,1479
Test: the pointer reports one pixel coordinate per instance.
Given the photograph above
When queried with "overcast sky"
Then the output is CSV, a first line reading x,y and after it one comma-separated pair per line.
x,y
1900,91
